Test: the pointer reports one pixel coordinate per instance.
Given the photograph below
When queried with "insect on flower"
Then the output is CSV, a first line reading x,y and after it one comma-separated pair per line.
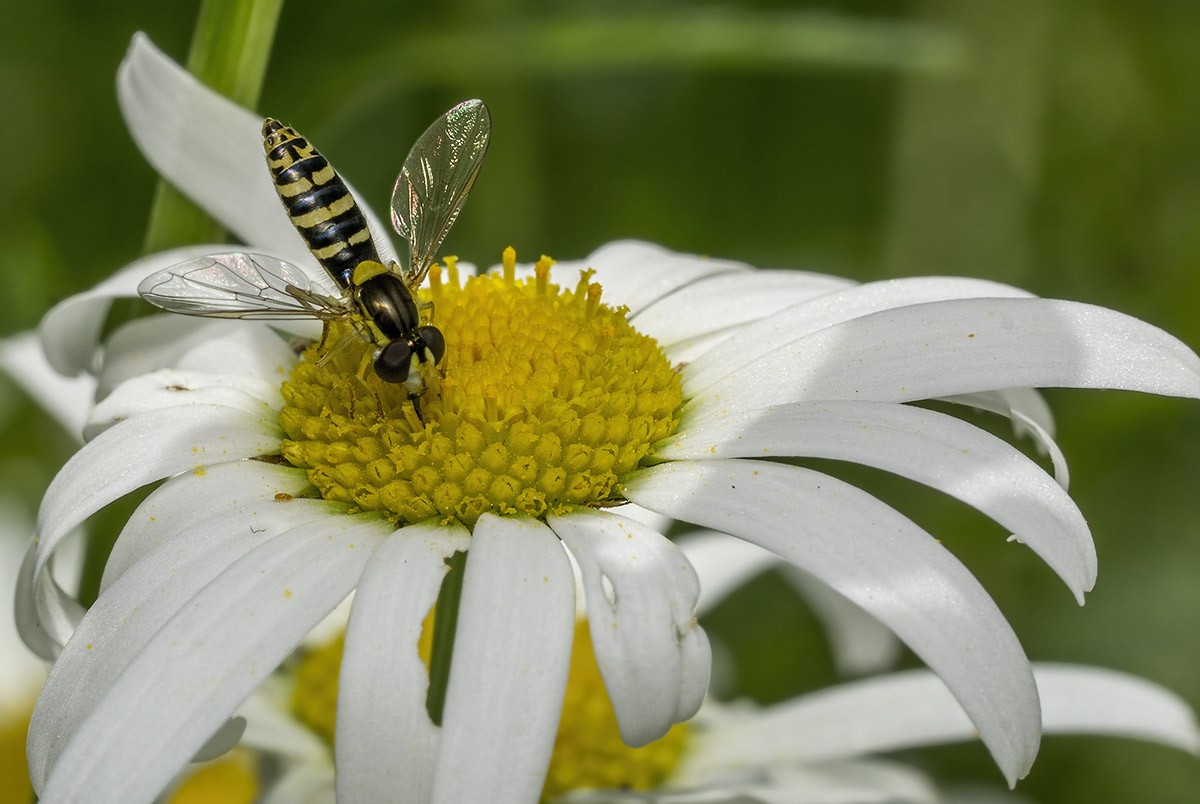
x,y
380,302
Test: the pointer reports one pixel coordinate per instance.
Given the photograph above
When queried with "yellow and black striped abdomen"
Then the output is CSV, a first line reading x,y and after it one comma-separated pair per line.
x,y
318,202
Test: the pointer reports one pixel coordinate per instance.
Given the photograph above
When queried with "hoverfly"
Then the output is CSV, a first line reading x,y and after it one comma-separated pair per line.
x,y
379,301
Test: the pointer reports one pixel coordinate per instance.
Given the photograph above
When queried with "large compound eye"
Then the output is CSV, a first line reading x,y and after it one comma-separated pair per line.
x,y
434,341
392,362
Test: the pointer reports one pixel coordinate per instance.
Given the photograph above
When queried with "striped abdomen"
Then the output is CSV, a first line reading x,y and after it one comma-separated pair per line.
x,y
318,203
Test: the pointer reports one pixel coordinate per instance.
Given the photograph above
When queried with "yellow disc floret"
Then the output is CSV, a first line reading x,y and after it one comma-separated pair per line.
x,y
588,751
544,399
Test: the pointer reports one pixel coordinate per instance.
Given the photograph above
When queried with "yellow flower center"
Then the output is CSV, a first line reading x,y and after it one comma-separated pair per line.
x,y
232,779
14,767
544,399
588,751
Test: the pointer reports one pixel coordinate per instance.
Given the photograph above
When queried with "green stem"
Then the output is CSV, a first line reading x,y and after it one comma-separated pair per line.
x,y
229,54
445,624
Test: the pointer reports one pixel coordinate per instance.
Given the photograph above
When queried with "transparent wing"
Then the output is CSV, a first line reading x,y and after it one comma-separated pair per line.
x,y
239,285
435,181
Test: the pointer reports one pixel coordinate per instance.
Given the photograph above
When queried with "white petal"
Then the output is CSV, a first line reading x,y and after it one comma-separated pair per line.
x,y
23,672
512,648
873,781
129,455
271,726
1077,699
721,301
929,447
225,738
854,782
641,601
1030,416
962,346
212,150
1029,402
881,561
637,274
914,708
723,563
685,352
788,325
45,615
66,399
128,614
197,669
196,496
185,342
167,388
859,642
651,519
386,744
70,332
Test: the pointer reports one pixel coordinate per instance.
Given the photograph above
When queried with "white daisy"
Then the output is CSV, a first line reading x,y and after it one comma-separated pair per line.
x,y
293,483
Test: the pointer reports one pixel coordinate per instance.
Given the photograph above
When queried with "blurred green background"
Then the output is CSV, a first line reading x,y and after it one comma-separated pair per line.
x,y
1051,145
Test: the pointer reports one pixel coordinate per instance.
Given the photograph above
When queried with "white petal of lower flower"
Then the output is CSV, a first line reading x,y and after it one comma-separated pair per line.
x,y
914,708
386,743
70,332
1092,700
182,342
198,668
512,648
639,273
197,496
207,146
881,561
168,388
130,612
641,601
981,794
708,305
67,399
1030,415
859,642
874,781
271,726
854,782
957,347
225,738
303,784
129,455
723,563
929,447
790,325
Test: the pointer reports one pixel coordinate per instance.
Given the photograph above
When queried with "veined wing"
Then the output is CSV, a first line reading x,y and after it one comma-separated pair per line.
x,y
239,285
435,181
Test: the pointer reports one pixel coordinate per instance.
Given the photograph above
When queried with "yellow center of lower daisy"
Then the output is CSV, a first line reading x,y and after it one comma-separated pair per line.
x,y
588,752
544,398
